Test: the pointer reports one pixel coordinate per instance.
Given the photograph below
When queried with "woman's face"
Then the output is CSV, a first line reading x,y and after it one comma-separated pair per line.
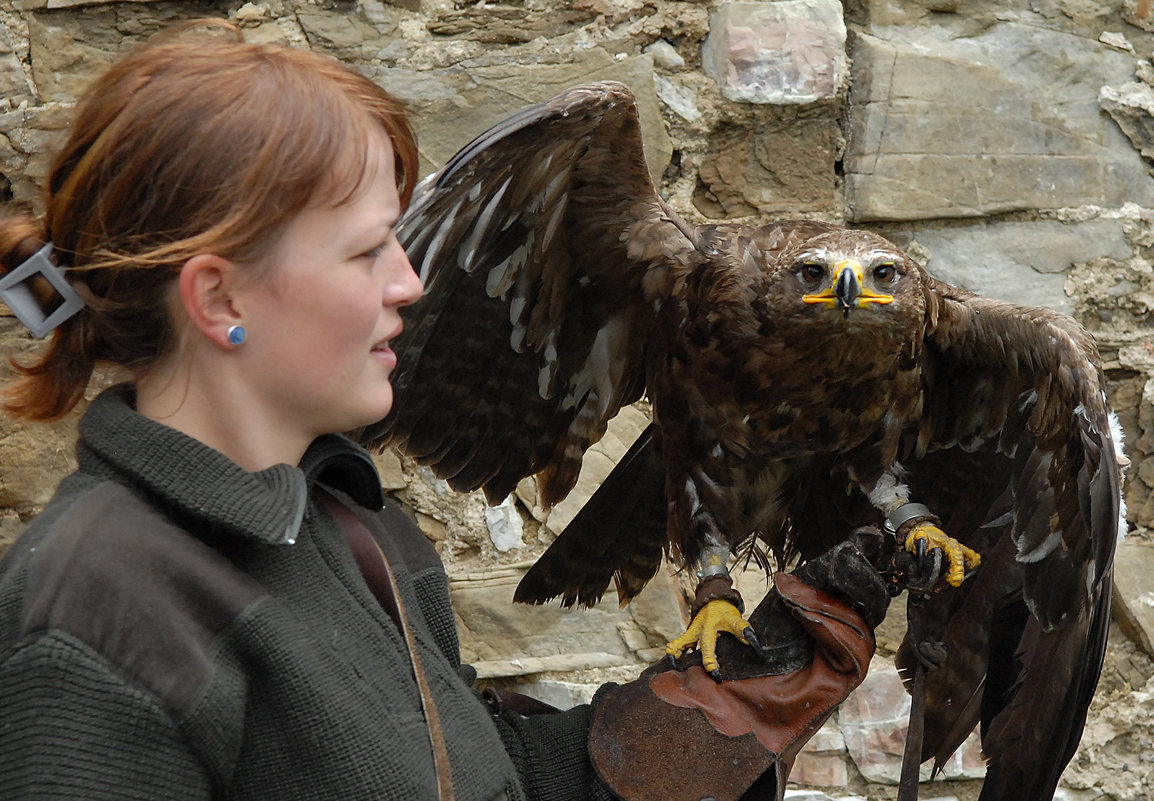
x,y
321,317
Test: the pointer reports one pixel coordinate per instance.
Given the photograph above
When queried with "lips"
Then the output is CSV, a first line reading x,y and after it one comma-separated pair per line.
x,y
383,352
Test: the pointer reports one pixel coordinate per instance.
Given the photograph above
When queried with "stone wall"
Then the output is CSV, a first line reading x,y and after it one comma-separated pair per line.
x,y
1007,143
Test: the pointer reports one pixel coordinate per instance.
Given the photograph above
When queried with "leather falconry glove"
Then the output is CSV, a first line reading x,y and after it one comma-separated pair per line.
x,y
676,734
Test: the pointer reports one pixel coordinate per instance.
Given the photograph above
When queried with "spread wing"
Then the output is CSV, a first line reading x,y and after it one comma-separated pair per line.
x,y
1020,461
542,246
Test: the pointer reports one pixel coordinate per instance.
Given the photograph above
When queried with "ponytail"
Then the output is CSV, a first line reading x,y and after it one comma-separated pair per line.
x,y
51,385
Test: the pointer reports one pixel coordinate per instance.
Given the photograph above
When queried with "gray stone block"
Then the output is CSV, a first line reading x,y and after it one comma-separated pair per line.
x,y
1134,591
1002,121
1019,262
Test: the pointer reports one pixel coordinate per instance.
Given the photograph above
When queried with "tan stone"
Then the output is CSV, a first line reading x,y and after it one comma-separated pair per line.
x,y
1134,590
388,464
501,638
783,164
452,106
496,23
29,138
69,51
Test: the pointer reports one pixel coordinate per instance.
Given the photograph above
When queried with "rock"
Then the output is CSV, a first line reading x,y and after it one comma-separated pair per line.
x,y
561,694
1131,106
1020,262
918,151
1117,41
504,524
69,51
10,527
55,4
598,463
451,106
681,99
352,37
251,13
806,795
500,638
15,88
1137,13
777,166
665,55
1134,591
874,720
1114,756
785,52
495,23
822,760
389,467
28,141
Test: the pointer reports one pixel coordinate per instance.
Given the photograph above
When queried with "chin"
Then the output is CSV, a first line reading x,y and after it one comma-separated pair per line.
x,y
374,410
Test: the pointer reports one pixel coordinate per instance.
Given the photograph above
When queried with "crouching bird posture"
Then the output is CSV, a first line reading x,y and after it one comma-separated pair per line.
x,y
805,380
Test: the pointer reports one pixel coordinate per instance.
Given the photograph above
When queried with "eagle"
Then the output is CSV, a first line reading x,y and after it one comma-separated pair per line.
x,y
805,380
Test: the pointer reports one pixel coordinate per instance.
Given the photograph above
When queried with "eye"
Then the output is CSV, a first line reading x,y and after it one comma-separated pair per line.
x,y
886,273
374,253
811,272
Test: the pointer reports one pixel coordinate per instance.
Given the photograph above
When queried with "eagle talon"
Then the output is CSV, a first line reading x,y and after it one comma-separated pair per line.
x,y
716,617
926,537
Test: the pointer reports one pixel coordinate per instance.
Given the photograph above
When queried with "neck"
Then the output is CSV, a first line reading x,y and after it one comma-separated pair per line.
x,y
217,413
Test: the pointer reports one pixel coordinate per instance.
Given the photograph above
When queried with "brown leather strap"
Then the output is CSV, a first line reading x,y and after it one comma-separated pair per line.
x,y
375,569
370,560
912,755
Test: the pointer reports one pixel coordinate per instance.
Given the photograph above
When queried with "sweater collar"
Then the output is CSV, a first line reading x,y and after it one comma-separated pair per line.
x,y
195,482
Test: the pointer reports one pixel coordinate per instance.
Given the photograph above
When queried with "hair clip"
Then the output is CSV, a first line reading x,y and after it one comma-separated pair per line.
x,y
16,292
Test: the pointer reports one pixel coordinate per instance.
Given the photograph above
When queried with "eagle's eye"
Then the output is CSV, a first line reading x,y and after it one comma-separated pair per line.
x,y
886,273
811,272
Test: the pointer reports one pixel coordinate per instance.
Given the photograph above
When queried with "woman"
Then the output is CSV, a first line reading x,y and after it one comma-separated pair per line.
x,y
196,613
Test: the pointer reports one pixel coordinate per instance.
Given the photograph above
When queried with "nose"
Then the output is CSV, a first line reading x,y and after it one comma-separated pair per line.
x,y
404,286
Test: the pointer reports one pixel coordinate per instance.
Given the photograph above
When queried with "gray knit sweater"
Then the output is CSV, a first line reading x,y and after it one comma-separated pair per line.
x,y
174,627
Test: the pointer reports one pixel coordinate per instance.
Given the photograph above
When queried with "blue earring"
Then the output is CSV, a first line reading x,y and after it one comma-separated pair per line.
x,y
236,334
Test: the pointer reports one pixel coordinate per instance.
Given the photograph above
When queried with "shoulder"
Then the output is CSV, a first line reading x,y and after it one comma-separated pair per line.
x,y
105,568
404,542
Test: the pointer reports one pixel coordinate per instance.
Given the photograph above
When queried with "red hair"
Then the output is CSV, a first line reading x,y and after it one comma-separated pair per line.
x,y
187,146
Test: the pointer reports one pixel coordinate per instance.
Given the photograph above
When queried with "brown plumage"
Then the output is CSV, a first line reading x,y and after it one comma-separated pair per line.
x,y
792,402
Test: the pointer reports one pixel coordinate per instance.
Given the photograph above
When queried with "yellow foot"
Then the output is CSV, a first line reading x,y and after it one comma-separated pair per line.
x,y
959,557
715,617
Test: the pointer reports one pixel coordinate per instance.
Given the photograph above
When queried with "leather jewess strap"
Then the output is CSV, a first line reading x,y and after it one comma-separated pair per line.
x,y
379,578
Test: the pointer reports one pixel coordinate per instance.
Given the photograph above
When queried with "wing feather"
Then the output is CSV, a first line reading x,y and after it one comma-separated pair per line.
x,y
1019,392
1035,384
537,306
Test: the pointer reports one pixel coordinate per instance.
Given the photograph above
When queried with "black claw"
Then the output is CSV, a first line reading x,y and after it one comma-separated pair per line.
x,y
755,643
927,568
715,674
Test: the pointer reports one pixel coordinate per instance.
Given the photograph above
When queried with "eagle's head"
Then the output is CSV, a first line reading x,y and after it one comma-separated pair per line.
x,y
848,271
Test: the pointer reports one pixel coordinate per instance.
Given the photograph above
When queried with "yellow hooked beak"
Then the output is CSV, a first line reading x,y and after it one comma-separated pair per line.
x,y
847,289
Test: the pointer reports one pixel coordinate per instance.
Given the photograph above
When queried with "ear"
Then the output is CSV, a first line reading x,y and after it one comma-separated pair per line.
x,y
207,284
